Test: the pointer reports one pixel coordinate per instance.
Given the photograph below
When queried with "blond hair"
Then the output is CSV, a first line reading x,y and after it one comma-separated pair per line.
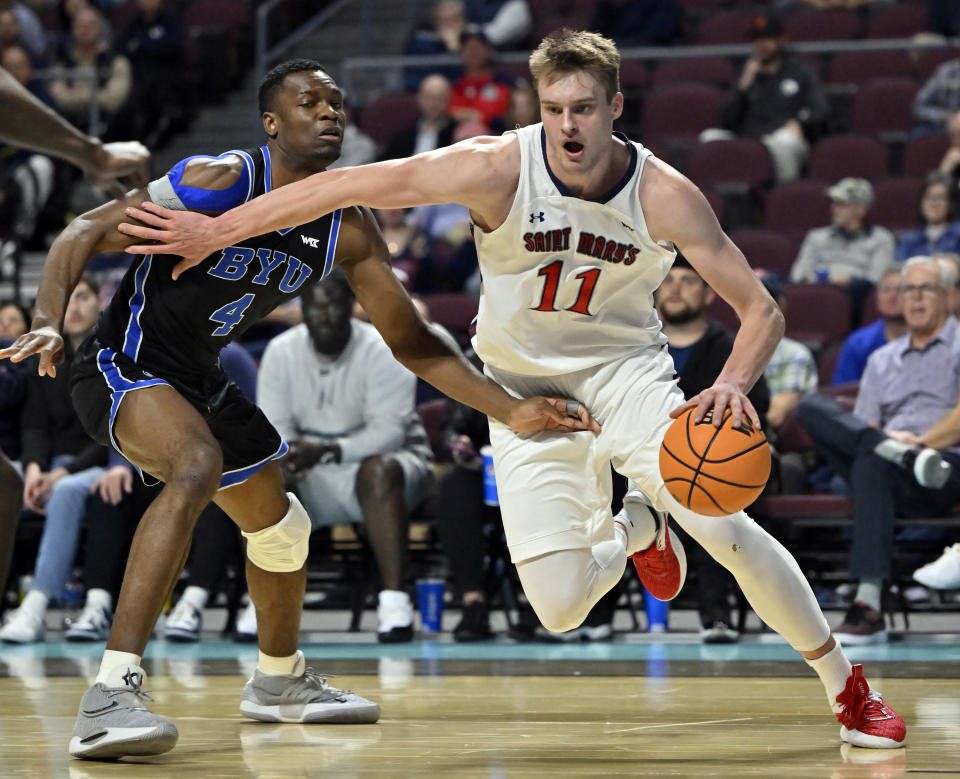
x,y
567,51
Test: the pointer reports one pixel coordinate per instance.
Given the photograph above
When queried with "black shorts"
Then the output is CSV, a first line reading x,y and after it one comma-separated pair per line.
x,y
100,378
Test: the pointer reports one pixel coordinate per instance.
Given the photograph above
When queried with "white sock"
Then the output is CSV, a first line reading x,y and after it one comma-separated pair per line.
x,y
286,666
833,669
393,598
113,660
635,516
196,597
98,597
35,602
868,591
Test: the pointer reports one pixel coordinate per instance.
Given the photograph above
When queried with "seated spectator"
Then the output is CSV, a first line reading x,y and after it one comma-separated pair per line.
x,y
942,573
505,23
433,129
863,341
26,178
792,371
938,98
358,451
777,100
700,348
939,233
524,108
443,37
98,71
951,261
61,465
356,148
32,36
153,43
481,94
637,22
10,37
950,164
850,252
14,322
906,409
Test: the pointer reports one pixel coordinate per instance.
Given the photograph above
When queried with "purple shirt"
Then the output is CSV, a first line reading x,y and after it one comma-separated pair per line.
x,y
904,388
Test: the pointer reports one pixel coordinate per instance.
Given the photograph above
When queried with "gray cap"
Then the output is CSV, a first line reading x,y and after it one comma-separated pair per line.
x,y
851,190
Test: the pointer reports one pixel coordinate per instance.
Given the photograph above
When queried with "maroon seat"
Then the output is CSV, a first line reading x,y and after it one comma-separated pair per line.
x,y
837,156
726,27
633,74
739,163
431,413
924,154
827,361
858,67
765,248
831,24
884,105
798,206
929,61
790,506
721,311
385,116
898,21
681,111
704,70
895,204
816,314
453,310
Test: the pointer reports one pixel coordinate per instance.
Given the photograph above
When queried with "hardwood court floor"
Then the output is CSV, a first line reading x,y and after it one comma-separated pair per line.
x,y
503,726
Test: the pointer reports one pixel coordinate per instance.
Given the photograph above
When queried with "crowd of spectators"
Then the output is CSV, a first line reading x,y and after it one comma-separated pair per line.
x,y
122,83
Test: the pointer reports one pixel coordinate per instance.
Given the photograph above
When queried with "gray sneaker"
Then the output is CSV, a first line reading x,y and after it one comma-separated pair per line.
x,y
303,697
114,722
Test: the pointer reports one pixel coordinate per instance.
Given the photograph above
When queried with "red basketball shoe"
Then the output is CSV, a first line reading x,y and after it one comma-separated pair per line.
x,y
662,566
866,721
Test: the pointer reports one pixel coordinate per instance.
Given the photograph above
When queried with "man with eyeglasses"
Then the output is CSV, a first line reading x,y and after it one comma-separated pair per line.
x,y
899,451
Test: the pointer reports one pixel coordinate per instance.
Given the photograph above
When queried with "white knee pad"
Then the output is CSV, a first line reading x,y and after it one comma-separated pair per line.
x,y
283,547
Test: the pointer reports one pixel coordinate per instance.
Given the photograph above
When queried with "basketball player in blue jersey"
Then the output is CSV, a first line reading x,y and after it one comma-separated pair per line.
x,y
575,228
148,382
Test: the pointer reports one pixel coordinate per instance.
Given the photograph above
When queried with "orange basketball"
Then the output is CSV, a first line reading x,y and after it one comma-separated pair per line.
x,y
714,470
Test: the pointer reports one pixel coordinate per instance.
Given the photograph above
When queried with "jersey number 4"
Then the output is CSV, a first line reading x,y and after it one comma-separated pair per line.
x,y
551,276
229,316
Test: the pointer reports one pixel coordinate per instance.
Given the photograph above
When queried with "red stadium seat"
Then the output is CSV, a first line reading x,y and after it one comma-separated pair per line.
x,y
431,413
633,74
831,24
884,105
858,67
716,71
453,310
738,164
816,314
797,206
382,118
681,111
720,311
895,203
898,21
837,156
929,61
766,249
726,27
924,154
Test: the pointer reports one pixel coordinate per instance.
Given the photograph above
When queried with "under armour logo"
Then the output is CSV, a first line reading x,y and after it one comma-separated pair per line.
x,y
309,241
536,216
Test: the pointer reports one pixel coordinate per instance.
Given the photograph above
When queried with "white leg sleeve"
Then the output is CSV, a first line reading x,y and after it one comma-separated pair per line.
x,y
766,572
563,586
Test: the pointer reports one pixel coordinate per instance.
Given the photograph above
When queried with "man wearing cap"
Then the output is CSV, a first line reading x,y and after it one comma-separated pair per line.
x,y
777,100
849,252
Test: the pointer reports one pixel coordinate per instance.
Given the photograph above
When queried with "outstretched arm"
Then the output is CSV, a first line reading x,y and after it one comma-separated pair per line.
x,y
426,350
480,173
25,121
677,211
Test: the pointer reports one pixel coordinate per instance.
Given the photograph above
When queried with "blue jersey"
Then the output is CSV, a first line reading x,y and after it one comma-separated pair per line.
x,y
180,326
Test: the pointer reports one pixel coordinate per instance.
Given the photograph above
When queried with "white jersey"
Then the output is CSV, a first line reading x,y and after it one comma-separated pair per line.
x,y
568,283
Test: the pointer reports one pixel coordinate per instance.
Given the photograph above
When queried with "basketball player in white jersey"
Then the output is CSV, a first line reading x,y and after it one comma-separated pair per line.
x,y
575,228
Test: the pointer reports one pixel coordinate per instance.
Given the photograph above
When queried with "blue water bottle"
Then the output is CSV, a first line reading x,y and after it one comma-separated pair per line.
x,y
657,612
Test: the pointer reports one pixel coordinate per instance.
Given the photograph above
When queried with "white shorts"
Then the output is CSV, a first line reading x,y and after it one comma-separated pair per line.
x,y
328,492
555,488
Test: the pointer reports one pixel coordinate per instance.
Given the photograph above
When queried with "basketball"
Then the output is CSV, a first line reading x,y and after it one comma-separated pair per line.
x,y
714,470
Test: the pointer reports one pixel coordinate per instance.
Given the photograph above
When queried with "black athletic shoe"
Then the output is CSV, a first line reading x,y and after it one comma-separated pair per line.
x,y
862,625
474,625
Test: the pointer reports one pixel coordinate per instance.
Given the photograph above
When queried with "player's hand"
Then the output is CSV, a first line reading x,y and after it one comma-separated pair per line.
x,y
187,233
720,397
113,484
45,341
119,167
550,413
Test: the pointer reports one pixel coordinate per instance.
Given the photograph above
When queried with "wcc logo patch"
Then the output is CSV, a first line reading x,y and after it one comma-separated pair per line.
x,y
309,241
